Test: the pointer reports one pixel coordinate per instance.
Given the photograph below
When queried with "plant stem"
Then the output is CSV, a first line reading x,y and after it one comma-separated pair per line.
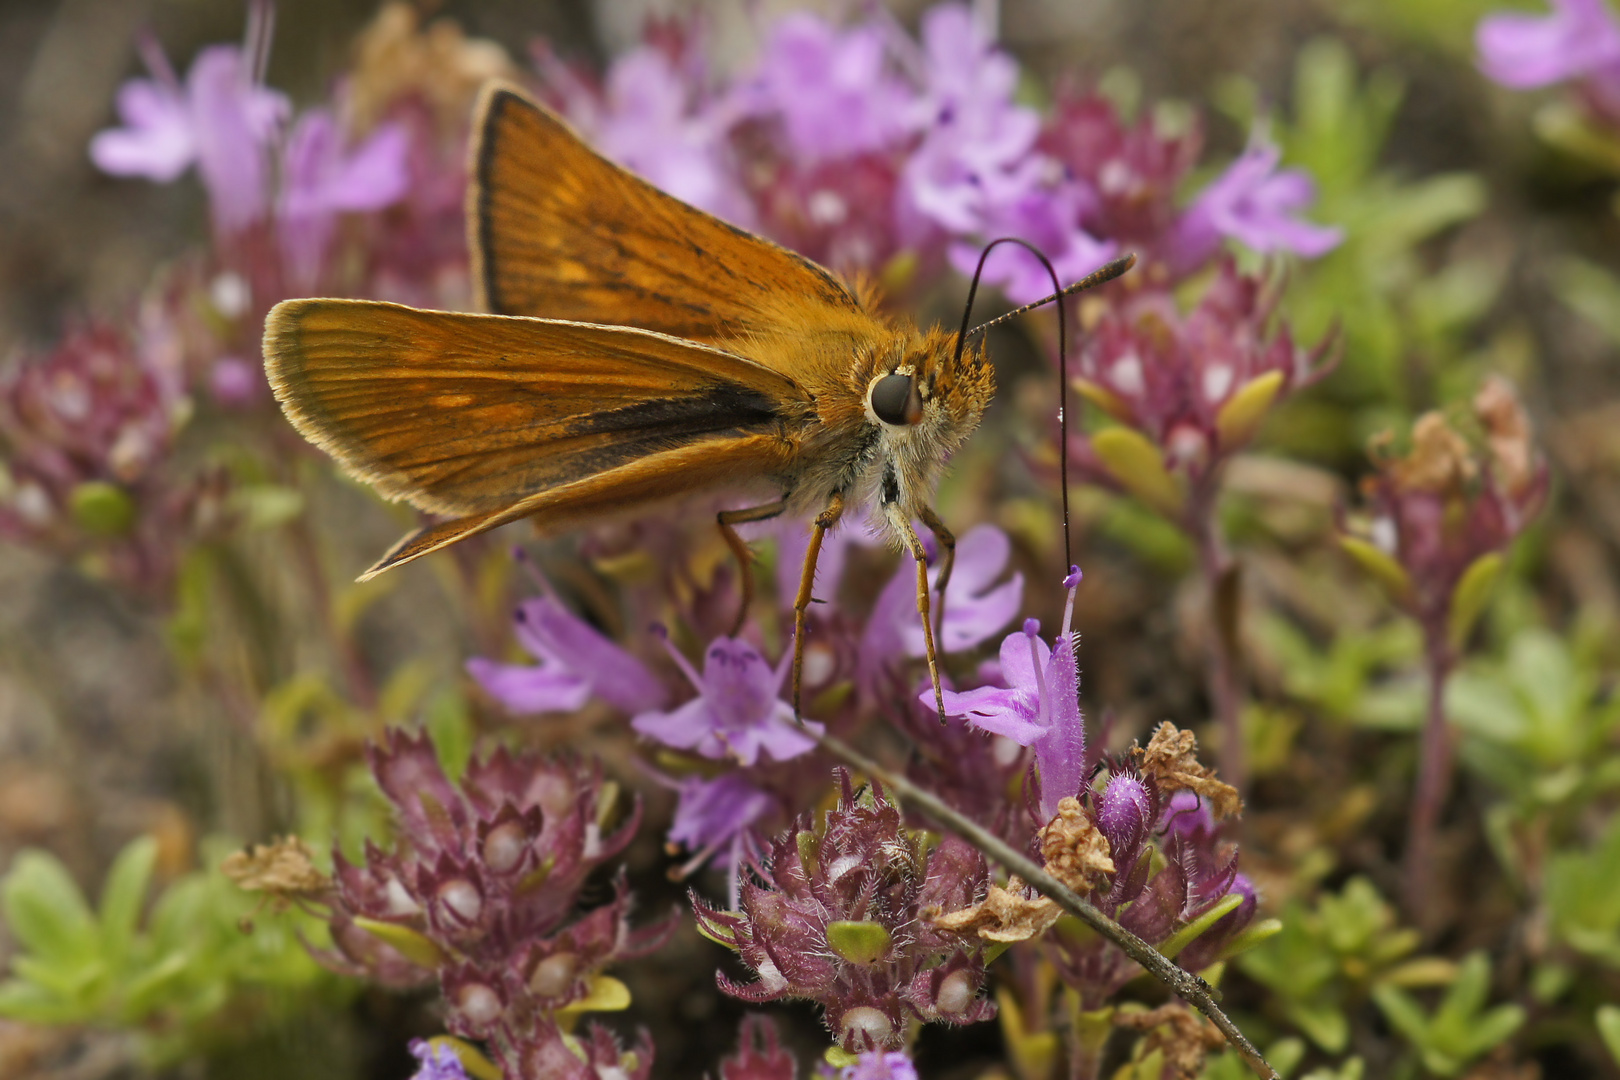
x,y
1433,781
1221,580
1187,985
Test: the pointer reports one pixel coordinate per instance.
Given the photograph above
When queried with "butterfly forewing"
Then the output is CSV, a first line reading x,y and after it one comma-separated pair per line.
x,y
472,414
560,232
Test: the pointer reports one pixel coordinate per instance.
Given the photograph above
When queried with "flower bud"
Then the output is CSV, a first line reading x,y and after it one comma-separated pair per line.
x,y
477,1006
864,1026
504,847
956,994
554,975
1124,814
459,903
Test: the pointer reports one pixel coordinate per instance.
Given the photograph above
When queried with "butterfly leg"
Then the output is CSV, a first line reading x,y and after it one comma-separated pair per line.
x,y
807,580
728,520
947,561
908,536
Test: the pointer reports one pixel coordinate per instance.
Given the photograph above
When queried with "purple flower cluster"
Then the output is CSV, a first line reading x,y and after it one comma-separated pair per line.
x,y
233,128
362,198
87,429
835,916
1147,819
1445,509
1187,389
1039,706
481,892
858,145
739,714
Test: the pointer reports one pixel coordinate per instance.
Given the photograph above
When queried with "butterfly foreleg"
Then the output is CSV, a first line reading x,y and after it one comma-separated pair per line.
x,y
908,536
947,561
728,520
807,579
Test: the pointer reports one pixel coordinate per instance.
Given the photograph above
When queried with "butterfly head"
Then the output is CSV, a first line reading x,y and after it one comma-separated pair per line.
x,y
923,402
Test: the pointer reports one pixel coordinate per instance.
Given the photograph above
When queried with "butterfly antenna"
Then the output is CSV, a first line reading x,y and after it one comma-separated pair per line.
x,y
1105,273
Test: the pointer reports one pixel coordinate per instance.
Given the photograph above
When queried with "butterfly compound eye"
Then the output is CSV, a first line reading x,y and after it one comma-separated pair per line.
x,y
895,400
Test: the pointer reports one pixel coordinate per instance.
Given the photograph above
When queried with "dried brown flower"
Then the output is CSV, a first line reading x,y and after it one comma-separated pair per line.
x,y
284,868
1438,462
1171,761
1507,430
397,57
1184,1038
1005,915
1075,850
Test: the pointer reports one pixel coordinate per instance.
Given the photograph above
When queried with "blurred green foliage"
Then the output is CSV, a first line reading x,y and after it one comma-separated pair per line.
x,y
179,972
1461,1028
1406,324
1329,957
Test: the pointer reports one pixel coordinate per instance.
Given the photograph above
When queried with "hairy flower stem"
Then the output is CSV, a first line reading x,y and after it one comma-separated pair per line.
x,y
1222,582
1184,983
1433,780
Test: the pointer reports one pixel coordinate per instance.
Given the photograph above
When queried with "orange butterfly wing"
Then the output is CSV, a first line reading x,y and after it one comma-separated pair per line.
x,y
556,230
490,418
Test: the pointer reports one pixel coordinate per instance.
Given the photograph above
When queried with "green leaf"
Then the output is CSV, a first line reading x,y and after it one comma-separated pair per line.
x,y
1591,292
1380,565
1139,467
46,912
1240,417
1323,1022
148,991
1457,1032
1402,1012
266,506
1190,933
101,508
122,897
27,1001
1607,1019
1253,936
858,942
1472,592
411,944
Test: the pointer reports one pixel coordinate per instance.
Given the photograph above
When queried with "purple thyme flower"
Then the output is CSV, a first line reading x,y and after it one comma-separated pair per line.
x,y
1256,204
835,915
1033,201
236,383
653,117
576,661
738,713
439,1061
1132,168
881,1065
223,120
977,172
974,129
975,607
716,814
832,90
1039,707
320,180
1580,38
